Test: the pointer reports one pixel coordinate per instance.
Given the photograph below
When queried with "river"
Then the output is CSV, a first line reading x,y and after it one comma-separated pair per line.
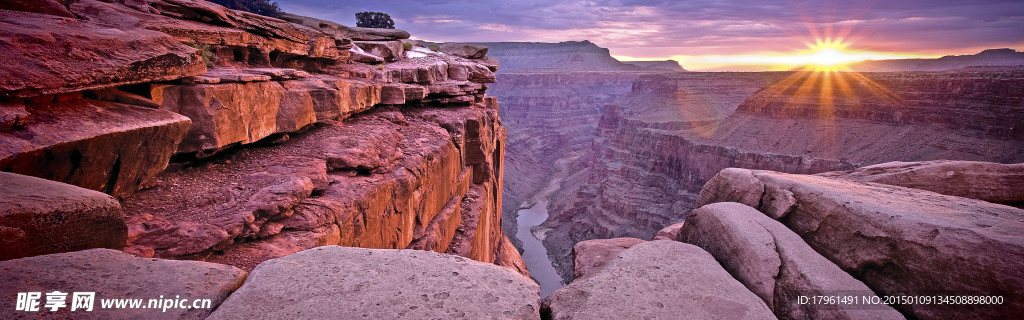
x,y
534,253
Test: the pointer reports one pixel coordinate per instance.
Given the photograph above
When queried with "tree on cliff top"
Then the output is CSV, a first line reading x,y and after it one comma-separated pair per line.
x,y
371,19
260,7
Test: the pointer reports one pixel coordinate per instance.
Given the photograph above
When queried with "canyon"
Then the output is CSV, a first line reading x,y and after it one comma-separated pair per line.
x,y
656,146
297,167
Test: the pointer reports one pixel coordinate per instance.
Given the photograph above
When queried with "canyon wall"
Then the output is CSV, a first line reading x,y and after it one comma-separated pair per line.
x,y
277,136
988,58
548,116
656,147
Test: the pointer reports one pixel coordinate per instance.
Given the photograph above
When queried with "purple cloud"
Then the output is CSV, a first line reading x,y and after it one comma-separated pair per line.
x,y
662,28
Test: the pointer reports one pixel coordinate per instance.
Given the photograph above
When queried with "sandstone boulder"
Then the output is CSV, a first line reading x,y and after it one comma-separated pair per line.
x,y
588,257
40,216
345,282
992,182
657,280
465,50
375,151
70,55
363,57
668,233
104,146
389,50
900,241
12,116
776,264
113,274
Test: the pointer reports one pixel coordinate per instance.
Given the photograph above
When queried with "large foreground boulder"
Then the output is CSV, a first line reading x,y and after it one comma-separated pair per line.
x,y
992,182
657,280
776,264
898,241
40,217
333,282
116,275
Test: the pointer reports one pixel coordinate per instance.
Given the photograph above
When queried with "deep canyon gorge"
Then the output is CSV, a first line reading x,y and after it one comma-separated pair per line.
x,y
295,167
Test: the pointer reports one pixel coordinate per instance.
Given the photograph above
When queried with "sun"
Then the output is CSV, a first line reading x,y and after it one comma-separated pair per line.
x,y
829,55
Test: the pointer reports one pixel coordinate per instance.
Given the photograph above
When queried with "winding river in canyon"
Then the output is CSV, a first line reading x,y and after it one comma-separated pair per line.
x,y
534,253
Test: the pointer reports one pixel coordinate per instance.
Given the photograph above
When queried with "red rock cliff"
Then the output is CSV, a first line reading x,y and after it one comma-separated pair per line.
x,y
283,135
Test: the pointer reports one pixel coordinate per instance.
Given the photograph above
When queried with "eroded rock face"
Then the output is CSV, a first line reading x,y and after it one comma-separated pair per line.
x,y
65,55
40,216
657,279
98,145
418,178
113,274
775,263
992,182
901,241
588,257
343,282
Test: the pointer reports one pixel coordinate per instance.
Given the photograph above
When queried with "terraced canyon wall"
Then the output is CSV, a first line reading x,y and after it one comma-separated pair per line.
x,y
547,116
280,135
656,147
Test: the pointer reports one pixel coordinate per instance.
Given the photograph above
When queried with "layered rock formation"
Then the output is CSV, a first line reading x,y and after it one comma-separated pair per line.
x,y
655,150
282,139
667,65
987,58
568,56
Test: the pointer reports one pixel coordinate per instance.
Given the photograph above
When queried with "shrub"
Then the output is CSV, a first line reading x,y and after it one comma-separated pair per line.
x,y
204,51
260,7
371,19
407,45
434,47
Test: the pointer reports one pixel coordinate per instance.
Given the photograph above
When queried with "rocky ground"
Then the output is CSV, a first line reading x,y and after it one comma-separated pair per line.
x,y
782,236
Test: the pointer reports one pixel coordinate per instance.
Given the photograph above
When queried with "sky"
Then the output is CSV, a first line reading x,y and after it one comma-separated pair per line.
x,y
707,34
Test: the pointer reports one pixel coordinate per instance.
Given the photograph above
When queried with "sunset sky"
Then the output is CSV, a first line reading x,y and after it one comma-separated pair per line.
x,y
707,34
